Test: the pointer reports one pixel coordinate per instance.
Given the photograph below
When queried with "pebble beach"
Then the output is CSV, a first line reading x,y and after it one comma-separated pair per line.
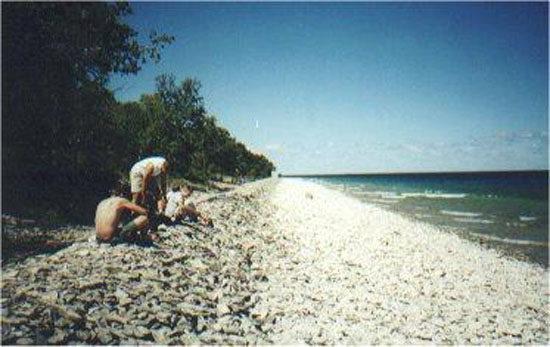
x,y
287,262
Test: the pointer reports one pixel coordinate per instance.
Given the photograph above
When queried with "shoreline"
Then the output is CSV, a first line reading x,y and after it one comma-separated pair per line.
x,y
508,247
287,262
392,173
364,275
499,223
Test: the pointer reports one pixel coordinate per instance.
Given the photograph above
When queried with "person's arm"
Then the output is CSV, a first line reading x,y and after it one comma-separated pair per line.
x,y
195,212
163,185
132,207
190,210
161,205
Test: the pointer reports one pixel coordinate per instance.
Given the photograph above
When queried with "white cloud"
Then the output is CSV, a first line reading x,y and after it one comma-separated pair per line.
x,y
492,151
256,151
273,147
414,149
502,150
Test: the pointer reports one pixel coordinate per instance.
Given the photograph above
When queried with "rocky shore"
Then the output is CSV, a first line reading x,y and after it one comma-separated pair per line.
x,y
197,285
357,274
287,262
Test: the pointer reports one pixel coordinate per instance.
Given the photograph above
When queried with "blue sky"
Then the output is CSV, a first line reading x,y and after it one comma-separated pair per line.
x,y
364,87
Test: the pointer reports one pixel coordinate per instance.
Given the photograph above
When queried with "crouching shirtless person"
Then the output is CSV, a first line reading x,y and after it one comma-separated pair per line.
x,y
113,211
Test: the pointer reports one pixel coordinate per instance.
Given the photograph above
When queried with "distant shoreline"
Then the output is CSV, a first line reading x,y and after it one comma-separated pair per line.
x,y
510,208
420,173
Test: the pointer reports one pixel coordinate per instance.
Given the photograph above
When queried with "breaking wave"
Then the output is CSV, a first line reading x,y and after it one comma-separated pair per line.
x,y
460,213
512,241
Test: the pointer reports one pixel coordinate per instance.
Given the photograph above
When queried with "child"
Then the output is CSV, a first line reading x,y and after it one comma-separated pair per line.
x,y
178,209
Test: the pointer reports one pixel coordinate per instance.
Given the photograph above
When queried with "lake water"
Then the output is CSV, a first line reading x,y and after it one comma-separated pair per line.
x,y
507,210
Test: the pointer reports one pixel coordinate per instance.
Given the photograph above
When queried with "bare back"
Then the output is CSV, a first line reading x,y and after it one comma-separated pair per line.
x,y
107,217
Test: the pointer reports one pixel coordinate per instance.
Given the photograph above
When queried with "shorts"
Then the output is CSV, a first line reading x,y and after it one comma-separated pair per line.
x,y
136,183
119,234
116,234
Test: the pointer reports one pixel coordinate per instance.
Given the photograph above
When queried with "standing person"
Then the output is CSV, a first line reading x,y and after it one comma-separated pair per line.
x,y
145,172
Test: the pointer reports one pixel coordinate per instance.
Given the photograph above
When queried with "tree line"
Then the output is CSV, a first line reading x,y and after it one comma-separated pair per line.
x,y
173,122
66,140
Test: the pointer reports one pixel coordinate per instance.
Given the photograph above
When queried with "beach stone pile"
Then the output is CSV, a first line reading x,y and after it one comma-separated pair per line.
x,y
287,262
22,241
196,285
357,274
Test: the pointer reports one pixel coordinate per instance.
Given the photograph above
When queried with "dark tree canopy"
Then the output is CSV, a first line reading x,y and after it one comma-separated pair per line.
x,y
56,60
66,140
177,125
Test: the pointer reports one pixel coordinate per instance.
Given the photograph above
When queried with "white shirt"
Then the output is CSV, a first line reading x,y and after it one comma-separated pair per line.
x,y
140,166
174,200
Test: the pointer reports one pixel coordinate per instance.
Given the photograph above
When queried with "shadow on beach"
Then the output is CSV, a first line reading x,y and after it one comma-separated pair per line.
x,y
19,244
22,241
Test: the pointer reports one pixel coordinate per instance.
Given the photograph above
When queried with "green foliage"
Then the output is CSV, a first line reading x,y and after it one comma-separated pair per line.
x,y
175,123
66,140
59,145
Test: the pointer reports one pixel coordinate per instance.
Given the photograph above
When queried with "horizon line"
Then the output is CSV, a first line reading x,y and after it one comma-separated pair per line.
x,y
415,173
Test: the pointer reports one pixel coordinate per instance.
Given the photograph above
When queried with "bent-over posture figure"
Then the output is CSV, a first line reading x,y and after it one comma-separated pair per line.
x,y
142,173
110,212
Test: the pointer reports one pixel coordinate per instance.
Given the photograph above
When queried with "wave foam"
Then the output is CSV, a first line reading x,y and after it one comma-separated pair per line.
x,y
512,241
473,220
527,219
460,213
382,194
381,201
435,195
422,215
398,196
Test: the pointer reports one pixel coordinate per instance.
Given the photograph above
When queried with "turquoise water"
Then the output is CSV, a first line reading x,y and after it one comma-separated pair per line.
x,y
506,210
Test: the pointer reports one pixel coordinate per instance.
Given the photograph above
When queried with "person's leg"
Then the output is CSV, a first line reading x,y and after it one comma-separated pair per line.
x,y
189,216
141,222
150,204
190,212
161,206
136,181
129,230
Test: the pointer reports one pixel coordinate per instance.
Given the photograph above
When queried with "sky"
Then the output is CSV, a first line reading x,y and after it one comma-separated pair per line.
x,y
328,88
